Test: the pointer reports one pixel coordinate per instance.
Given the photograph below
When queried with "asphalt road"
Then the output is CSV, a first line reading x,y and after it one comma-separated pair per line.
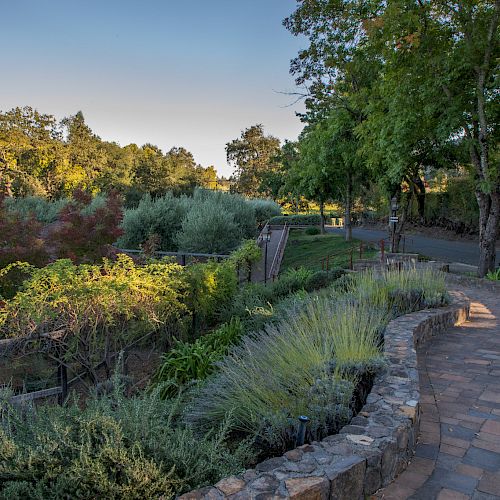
x,y
466,252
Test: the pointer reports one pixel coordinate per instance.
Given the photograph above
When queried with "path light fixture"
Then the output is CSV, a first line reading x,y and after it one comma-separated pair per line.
x,y
301,433
393,220
266,238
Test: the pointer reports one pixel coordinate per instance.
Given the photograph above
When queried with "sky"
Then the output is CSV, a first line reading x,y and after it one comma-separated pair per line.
x,y
191,73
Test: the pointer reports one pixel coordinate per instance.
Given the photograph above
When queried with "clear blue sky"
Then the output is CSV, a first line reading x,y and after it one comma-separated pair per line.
x,y
190,73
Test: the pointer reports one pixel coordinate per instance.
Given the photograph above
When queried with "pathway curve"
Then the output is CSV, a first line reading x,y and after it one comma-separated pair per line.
x,y
458,454
464,251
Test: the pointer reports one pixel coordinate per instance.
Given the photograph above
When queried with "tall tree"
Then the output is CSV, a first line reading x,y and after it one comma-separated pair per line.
x,y
253,155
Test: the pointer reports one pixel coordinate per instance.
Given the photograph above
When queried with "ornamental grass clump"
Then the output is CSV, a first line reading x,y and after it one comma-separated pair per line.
x,y
396,291
285,371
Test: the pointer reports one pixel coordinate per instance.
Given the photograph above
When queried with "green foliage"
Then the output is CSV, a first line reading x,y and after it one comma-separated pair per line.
x,y
113,447
254,155
264,210
283,372
96,308
49,159
309,361
211,287
207,222
161,216
312,231
494,275
455,208
195,361
208,228
297,220
43,210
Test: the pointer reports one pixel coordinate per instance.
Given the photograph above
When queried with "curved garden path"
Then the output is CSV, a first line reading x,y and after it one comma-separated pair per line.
x,y
458,453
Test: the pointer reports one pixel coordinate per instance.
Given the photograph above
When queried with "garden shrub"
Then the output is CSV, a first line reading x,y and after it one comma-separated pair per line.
x,y
43,210
211,287
113,447
296,220
208,228
96,308
264,210
160,216
291,281
322,279
312,231
186,361
87,228
207,222
240,208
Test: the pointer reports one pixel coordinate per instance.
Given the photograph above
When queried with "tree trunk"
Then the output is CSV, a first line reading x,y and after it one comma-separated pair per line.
x,y
322,216
348,202
489,223
420,196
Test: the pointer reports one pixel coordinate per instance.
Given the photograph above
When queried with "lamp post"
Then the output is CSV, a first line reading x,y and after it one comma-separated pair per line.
x,y
393,220
266,236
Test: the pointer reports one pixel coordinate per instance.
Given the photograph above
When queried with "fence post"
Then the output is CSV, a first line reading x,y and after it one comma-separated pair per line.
x,y
350,259
361,250
183,259
327,263
382,251
62,380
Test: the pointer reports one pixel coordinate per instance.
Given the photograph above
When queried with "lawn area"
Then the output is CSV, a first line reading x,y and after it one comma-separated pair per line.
x,y
308,250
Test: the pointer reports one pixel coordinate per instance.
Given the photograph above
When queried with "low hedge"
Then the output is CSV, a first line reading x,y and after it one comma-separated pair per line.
x,y
296,220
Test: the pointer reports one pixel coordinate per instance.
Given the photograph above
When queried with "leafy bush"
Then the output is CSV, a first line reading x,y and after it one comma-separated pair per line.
x,y
43,210
291,281
211,287
494,275
312,231
207,222
113,447
195,361
87,228
161,216
322,279
208,229
96,308
264,210
297,220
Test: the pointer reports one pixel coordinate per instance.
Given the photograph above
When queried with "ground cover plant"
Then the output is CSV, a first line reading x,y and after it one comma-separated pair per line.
x,y
304,249
114,447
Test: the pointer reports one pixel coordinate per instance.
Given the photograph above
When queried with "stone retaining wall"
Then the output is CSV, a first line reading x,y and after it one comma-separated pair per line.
x,y
376,445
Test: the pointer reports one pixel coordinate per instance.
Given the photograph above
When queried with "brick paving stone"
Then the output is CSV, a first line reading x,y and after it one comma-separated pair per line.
x,y
469,470
490,483
447,494
458,447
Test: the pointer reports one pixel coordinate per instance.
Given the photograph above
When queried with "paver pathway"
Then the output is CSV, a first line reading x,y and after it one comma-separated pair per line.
x,y
458,454
272,248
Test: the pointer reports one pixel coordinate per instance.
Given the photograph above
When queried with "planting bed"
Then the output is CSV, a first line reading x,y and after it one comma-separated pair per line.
x,y
375,446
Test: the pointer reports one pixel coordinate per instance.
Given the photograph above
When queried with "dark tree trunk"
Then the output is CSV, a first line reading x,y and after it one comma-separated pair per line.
x,y
348,203
322,216
489,223
420,196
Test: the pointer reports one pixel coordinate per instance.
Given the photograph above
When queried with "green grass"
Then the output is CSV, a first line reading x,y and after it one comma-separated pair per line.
x,y
307,251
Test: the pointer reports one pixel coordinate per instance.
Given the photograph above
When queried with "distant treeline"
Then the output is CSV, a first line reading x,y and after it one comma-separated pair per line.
x,y
45,157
